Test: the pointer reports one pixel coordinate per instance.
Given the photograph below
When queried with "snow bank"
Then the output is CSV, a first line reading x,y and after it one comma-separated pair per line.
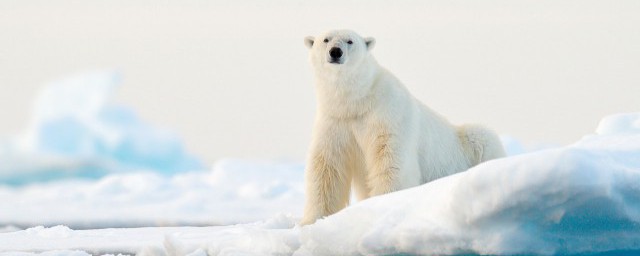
x,y
235,191
579,199
559,201
78,131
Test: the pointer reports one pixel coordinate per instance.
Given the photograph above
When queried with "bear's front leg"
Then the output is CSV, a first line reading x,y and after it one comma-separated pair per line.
x,y
327,178
383,162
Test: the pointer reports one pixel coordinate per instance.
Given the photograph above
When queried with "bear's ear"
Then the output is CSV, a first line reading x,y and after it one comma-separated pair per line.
x,y
370,42
308,41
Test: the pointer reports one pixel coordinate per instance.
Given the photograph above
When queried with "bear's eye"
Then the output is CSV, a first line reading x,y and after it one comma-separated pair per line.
x,y
350,42
326,40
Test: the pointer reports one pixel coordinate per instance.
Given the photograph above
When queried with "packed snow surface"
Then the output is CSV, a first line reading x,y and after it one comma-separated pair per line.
x,y
78,130
582,198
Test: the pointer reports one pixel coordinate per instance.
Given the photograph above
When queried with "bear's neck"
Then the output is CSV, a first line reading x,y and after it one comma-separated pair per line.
x,y
347,93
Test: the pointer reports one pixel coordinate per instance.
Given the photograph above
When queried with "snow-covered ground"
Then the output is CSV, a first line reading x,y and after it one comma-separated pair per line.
x,y
55,183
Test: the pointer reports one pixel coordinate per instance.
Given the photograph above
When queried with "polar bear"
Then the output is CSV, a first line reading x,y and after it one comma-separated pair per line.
x,y
371,134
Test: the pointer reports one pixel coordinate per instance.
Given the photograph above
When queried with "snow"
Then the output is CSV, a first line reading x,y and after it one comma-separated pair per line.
x,y
270,236
77,130
579,199
234,191
624,123
9,228
51,253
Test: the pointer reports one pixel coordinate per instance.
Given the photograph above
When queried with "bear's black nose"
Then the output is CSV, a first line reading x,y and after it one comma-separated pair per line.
x,y
335,52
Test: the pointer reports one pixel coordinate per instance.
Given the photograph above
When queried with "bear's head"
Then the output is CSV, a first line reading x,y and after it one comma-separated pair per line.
x,y
338,49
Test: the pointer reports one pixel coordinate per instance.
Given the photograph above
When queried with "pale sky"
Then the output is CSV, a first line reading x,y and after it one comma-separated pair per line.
x,y
232,77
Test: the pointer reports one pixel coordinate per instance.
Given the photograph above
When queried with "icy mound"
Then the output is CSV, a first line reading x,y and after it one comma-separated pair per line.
x,y
78,131
560,201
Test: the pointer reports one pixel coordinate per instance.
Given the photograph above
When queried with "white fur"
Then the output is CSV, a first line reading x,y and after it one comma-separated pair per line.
x,y
372,134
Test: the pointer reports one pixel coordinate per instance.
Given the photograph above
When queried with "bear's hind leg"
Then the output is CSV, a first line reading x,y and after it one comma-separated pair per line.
x,y
480,144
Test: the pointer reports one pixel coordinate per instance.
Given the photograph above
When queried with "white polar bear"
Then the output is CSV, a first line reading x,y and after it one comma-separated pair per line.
x,y
372,134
